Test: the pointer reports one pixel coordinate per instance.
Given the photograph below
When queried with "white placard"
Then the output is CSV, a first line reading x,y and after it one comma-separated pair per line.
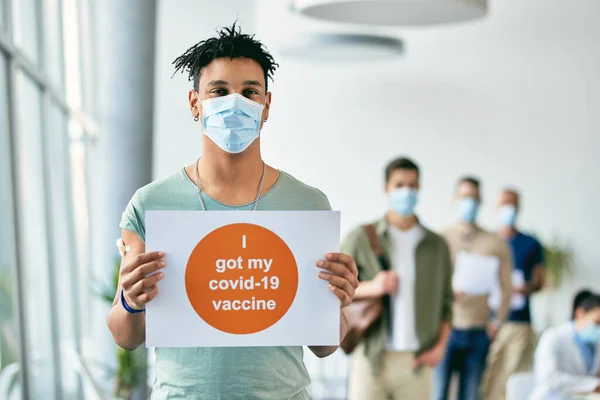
x,y
475,274
517,300
230,278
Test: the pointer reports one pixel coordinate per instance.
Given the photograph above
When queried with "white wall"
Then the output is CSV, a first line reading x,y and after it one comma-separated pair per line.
x,y
513,99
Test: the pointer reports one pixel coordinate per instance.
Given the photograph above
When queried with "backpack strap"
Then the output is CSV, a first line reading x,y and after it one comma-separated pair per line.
x,y
375,243
373,239
376,246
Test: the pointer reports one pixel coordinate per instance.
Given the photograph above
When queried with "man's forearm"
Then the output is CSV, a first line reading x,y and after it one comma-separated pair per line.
x,y
531,288
324,351
343,325
367,290
506,296
444,334
128,330
504,309
538,279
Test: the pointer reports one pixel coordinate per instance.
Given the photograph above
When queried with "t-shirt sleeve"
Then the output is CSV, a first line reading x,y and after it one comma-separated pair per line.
x,y
323,202
133,217
538,254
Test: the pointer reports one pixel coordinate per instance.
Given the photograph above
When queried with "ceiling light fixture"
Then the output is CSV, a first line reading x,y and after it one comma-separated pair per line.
x,y
392,12
347,47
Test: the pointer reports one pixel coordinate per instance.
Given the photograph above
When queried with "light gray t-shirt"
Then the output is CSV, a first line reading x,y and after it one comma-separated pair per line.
x,y
227,373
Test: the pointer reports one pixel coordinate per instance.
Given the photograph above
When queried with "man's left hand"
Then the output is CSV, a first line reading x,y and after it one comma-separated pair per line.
x,y
492,329
524,290
430,358
342,276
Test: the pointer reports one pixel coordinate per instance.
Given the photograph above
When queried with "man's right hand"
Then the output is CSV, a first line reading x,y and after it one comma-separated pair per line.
x,y
387,282
139,288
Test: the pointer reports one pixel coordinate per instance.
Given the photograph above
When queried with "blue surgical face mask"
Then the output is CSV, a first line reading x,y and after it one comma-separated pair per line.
x,y
590,334
403,201
232,121
508,215
467,209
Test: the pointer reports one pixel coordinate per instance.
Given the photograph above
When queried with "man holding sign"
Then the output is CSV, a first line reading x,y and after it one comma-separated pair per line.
x,y
230,74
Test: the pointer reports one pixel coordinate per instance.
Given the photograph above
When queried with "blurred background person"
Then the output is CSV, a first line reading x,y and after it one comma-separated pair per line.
x,y
472,331
579,298
512,350
409,270
566,362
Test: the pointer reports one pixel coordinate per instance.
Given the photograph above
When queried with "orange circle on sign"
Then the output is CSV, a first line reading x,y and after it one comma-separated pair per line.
x,y
241,278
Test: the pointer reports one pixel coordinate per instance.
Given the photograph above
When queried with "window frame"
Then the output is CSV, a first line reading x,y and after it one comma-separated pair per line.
x,y
52,96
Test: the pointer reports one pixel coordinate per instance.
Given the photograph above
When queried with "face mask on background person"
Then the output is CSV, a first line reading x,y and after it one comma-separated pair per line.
x,y
590,334
508,215
467,209
403,201
232,121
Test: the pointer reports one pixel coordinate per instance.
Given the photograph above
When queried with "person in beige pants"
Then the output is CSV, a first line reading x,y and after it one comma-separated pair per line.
x,y
412,272
512,350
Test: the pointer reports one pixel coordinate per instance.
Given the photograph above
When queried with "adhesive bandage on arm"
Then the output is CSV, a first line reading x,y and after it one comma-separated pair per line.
x,y
122,248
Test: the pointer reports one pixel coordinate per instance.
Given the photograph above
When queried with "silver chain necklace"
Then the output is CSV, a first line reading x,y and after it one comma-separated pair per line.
x,y
258,193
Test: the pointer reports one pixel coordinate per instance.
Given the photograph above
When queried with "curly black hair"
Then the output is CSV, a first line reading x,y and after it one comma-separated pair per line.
x,y
231,43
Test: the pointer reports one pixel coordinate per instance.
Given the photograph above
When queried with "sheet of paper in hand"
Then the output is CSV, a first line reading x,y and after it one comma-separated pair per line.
x,y
242,278
475,274
517,301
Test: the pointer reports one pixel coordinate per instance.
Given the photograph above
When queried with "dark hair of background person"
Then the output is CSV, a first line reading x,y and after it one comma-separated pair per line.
x,y
590,303
400,163
515,193
229,43
469,179
578,300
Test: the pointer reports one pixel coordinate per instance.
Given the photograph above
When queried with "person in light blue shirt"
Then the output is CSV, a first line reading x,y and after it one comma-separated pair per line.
x,y
231,103
578,299
566,359
587,349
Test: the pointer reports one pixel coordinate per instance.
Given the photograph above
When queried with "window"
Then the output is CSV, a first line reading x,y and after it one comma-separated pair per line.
x,y
53,53
72,52
9,338
64,251
26,28
79,211
328,376
43,199
33,237
2,12
86,29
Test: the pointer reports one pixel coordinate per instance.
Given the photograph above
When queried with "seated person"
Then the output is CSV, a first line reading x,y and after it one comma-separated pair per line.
x,y
579,297
565,360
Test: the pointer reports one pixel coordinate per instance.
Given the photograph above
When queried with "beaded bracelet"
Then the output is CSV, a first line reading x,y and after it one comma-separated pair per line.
x,y
127,307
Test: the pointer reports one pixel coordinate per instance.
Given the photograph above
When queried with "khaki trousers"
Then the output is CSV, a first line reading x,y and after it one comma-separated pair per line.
x,y
396,379
511,351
